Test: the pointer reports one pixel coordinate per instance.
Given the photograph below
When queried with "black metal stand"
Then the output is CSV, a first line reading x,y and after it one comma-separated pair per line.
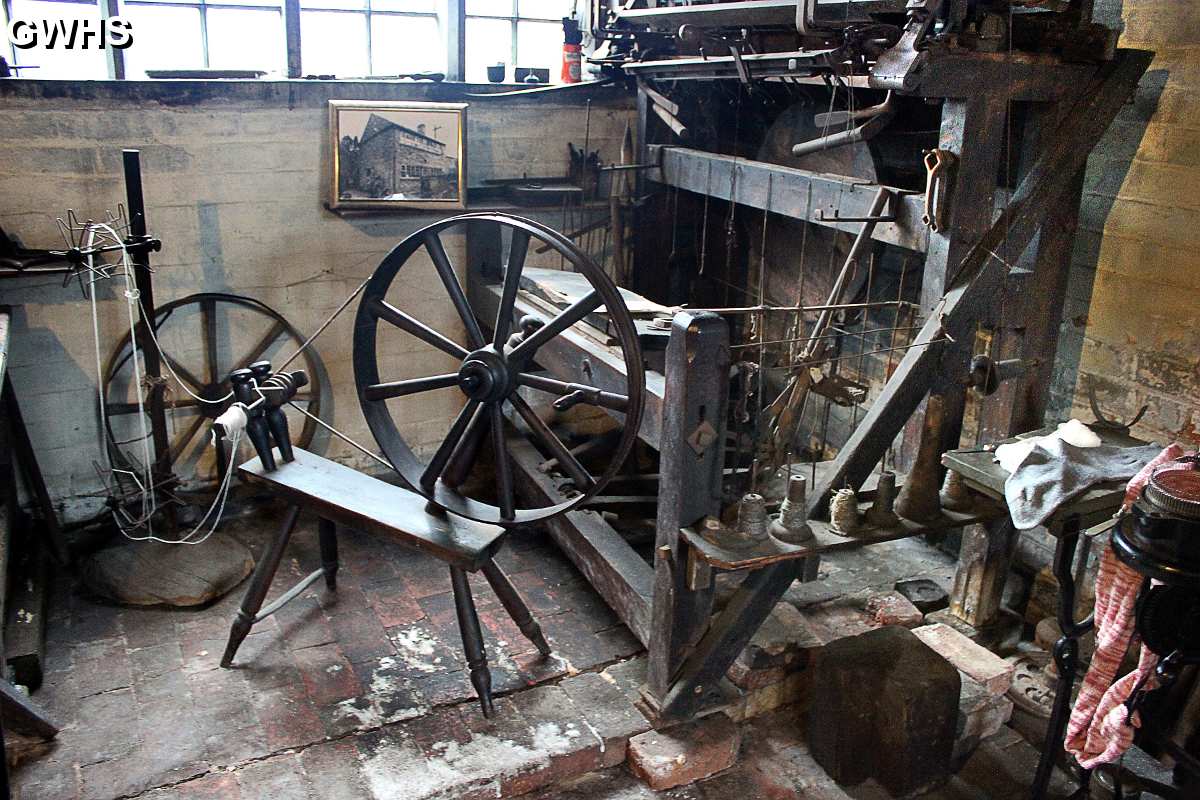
x,y
1066,658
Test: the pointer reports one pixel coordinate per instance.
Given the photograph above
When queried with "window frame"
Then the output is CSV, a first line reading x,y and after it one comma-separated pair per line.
x,y
451,16
514,18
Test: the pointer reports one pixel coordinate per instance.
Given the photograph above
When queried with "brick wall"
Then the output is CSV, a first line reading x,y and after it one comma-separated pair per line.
x,y
235,177
1137,340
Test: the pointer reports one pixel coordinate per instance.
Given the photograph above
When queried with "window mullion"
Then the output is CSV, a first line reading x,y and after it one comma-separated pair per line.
x,y
370,50
204,31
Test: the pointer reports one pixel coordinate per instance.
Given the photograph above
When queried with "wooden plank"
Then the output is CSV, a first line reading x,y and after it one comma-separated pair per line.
x,y
357,500
981,274
786,191
23,715
25,614
614,570
690,462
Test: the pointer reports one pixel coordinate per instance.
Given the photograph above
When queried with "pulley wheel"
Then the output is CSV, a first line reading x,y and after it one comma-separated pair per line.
x,y
480,368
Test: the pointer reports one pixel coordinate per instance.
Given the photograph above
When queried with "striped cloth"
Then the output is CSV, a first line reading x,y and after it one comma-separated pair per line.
x,y
1101,727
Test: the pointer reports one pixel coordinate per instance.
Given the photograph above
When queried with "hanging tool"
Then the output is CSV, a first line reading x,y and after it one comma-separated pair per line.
x,y
939,164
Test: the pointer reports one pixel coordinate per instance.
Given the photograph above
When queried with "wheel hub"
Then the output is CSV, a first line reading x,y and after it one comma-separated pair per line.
x,y
485,376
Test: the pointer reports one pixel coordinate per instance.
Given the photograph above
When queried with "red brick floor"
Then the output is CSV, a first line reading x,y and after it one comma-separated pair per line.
x,y
363,694
144,704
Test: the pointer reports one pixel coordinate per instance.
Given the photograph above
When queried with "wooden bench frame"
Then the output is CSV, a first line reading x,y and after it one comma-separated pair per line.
x,y
340,495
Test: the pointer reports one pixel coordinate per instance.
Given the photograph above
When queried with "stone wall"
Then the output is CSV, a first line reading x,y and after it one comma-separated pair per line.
x,y
235,179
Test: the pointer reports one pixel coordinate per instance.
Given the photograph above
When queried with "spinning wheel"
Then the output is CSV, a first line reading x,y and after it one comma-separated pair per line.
x,y
204,337
489,371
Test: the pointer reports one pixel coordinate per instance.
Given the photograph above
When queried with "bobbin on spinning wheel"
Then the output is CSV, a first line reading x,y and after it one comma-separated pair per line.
x,y
489,369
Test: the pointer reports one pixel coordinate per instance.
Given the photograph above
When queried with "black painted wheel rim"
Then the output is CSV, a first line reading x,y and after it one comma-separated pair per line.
x,y
489,373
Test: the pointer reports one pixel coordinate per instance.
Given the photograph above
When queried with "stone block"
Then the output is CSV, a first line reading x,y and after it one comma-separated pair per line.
x,y
886,709
610,714
686,753
980,715
981,664
782,645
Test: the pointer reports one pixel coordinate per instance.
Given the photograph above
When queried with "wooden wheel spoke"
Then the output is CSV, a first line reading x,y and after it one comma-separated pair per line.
x,y
208,313
463,458
386,391
568,317
504,478
260,347
182,372
541,431
518,248
181,442
445,271
571,394
437,464
389,313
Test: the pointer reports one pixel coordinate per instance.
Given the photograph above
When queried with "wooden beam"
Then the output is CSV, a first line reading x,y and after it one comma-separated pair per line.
x,y
796,193
611,566
690,462
981,275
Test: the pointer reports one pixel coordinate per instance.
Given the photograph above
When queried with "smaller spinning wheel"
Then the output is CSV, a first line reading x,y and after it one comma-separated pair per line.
x,y
489,371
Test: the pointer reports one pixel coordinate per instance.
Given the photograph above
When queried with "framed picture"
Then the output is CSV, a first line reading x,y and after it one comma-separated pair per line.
x,y
398,155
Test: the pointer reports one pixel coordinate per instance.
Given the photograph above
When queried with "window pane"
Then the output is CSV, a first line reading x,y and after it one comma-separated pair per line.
x,y
164,37
546,9
331,4
406,44
333,43
539,44
269,3
489,41
242,39
490,8
426,6
58,62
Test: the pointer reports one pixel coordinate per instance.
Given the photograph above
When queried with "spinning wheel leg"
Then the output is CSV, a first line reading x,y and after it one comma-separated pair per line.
x,y
472,636
515,606
260,582
327,534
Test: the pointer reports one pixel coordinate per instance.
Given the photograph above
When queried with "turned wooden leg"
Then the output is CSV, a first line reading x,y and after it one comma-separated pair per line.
x,y
472,636
515,606
260,583
327,533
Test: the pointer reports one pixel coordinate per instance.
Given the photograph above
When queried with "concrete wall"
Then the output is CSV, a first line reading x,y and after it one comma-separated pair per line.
x,y
235,179
1138,339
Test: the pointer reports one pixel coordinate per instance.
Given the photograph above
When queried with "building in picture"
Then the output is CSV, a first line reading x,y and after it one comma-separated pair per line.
x,y
393,162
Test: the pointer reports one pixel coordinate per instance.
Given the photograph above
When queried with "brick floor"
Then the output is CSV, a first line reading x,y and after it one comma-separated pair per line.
x,y
146,711
364,694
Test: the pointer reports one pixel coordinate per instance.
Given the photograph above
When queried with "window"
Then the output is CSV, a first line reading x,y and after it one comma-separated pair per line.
x,y
516,33
205,34
360,38
343,38
56,62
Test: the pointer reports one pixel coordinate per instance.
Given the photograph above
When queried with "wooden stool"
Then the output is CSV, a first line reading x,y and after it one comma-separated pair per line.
x,y
340,495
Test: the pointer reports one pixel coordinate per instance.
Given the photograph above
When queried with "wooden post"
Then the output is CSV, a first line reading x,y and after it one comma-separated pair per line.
x,y
690,466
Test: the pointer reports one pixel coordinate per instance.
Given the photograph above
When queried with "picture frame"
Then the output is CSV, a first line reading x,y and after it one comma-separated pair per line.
x,y
397,155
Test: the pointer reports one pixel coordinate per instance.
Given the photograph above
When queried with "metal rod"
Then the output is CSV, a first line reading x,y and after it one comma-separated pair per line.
x,y
324,325
341,435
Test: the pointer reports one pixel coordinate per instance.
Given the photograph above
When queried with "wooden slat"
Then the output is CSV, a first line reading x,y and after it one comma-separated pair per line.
x,y
357,500
785,191
619,574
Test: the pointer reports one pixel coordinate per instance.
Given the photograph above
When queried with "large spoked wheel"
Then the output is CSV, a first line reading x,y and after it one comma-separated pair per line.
x,y
483,370
204,337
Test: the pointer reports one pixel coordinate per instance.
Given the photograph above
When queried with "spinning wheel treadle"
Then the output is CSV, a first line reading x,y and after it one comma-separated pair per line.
x,y
490,372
